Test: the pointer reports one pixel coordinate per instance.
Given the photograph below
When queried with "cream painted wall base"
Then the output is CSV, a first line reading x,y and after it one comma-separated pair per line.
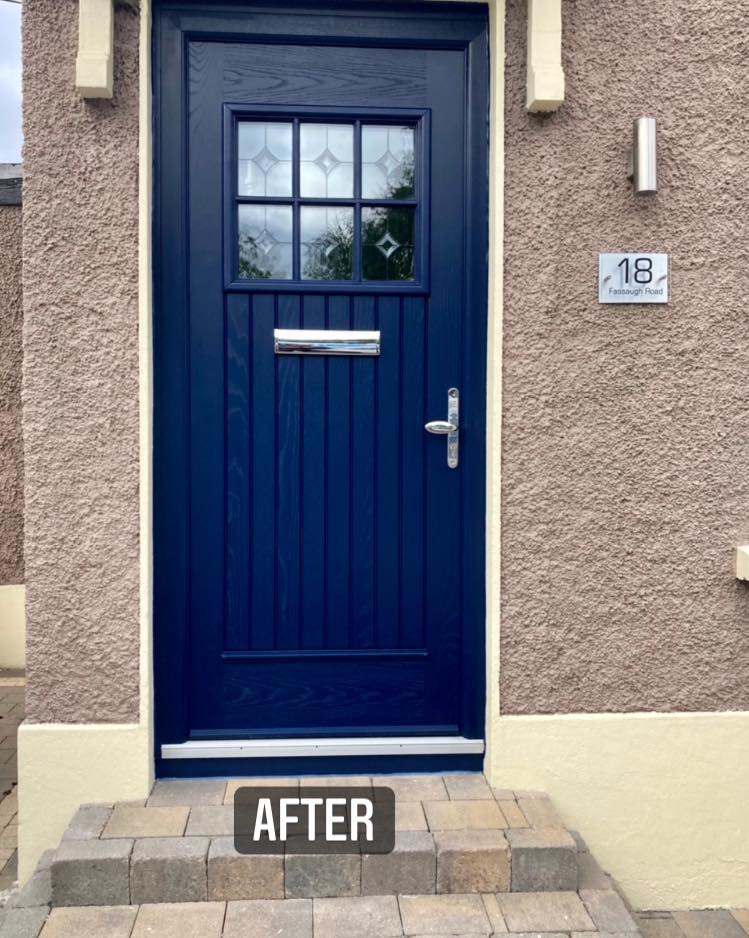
x,y
12,626
661,799
61,766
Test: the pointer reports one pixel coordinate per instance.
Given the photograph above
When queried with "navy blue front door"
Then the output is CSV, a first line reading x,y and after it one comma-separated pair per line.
x,y
319,567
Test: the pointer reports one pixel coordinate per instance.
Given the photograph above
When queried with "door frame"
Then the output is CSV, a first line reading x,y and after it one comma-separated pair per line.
x,y
462,26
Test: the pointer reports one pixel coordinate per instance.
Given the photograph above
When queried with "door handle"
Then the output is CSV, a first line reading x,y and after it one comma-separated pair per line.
x,y
449,428
440,426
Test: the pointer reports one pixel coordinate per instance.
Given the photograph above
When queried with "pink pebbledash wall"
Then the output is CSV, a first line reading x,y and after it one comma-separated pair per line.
x,y
626,429
80,374
11,440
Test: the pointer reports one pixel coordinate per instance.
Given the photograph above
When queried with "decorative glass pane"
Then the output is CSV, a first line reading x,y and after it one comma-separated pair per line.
x,y
327,243
387,162
264,159
326,169
388,243
265,242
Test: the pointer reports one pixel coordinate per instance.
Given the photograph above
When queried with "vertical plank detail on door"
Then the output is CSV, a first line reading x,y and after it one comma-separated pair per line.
x,y
338,546
263,421
238,472
363,448
312,483
387,468
413,480
288,509
342,540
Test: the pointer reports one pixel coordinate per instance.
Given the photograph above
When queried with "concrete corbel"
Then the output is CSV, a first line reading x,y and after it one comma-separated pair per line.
x,y
94,64
545,73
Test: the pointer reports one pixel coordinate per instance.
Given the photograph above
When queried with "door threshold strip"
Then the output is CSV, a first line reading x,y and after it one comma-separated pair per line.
x,y
354,746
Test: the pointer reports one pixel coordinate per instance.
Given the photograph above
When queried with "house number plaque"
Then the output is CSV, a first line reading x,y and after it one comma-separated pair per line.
x,y
633,278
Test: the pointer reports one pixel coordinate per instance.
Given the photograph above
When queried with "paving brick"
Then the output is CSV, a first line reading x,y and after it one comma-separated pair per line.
x,y
322,876
187,792
211,821
91,872
36,892
589,873
180,920
544,912
545,934
410,868
45,860
135,821
602,934
281,918
543,859
472,861
513,815
88,822
464,815
95,922
442,935
539,811
337,781
409,816
233,875
169,869
364,917
415,787
468,787
709,924
443,915
742,917
24,923
235,783
494,914
607,910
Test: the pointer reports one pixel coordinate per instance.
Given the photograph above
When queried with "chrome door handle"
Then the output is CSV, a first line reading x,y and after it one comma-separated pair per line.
x,y
440,426
449,428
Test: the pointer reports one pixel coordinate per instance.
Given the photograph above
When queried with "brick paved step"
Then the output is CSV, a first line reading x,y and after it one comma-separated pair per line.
x,y
542,915
454,835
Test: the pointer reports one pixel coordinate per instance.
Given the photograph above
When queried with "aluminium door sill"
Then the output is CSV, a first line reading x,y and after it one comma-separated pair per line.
x,y
355,746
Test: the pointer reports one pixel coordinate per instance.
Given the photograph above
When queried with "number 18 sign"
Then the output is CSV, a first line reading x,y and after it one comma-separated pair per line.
x,y
633,278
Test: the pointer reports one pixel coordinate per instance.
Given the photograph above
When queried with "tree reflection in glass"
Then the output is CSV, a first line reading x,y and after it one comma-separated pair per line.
x,y
387,236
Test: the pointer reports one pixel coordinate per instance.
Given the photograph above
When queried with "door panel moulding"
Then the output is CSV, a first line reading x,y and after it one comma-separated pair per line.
x,y
94,63
545,73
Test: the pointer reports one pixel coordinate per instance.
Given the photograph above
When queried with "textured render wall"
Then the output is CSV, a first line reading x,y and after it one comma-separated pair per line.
x,y
626,430
80,375
11,357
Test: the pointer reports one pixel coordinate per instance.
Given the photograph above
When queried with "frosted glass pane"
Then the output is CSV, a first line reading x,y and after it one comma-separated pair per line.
x,y
265,242
327,242
264,159
326,169
388,243
387,162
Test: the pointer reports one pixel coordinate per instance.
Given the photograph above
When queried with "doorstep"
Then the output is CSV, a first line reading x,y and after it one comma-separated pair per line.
x,y
455,836
558,915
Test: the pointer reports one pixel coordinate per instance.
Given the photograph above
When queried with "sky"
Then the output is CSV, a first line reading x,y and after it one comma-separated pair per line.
x,y
10,82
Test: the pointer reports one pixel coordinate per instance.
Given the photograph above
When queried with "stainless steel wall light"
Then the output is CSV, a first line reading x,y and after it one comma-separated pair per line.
x,y
643,160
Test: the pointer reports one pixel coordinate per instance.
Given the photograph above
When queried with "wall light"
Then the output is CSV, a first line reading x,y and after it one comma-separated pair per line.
x,y
642,168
